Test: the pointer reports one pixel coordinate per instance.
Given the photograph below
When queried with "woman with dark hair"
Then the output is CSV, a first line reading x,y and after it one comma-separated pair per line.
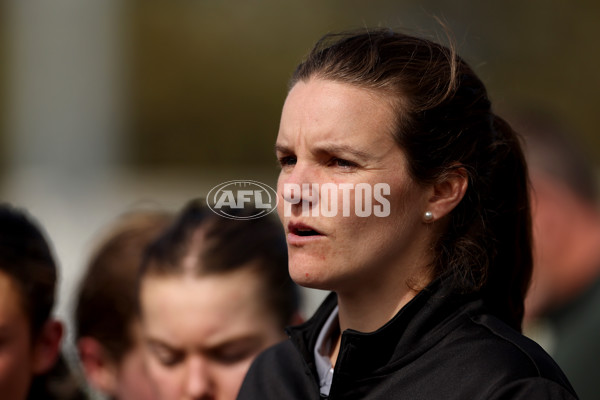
x,y
30,362
213,293
428,289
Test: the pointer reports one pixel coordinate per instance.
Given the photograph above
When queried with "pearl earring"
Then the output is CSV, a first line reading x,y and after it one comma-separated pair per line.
x,y
428,216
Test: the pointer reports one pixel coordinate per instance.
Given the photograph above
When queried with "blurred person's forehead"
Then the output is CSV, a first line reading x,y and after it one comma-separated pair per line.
x,y
204,308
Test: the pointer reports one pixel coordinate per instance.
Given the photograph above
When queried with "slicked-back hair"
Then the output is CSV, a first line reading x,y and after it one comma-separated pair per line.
x,y
444,121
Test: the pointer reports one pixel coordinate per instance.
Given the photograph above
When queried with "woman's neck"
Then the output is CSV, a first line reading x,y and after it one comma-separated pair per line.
x,y
368,301
368,310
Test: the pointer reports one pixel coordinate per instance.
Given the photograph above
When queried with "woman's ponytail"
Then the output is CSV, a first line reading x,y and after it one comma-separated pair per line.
x,y
510,223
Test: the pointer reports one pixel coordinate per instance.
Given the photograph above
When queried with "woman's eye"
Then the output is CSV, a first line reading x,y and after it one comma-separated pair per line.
x,y
340,162
168,358
287,161
233,356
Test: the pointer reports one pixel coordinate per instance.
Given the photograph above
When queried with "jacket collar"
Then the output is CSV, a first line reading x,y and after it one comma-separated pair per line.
x,y
417,327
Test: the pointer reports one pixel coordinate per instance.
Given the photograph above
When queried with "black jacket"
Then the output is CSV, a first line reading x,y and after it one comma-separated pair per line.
x,y
439,346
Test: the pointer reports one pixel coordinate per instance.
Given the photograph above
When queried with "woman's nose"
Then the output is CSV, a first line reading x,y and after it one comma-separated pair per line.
x,y
199,384
299,189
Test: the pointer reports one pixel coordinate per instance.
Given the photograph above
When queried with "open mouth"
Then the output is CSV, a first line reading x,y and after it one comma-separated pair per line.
x,y
302,230
306,232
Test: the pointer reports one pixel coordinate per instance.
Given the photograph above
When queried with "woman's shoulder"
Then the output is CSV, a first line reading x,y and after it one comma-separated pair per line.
x,y
278,355
279,373
503,344
504,357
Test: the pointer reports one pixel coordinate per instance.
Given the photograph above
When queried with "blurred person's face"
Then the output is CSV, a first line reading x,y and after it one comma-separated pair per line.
x,y
132,381
21,356
15,343
126,380
202,333
566,250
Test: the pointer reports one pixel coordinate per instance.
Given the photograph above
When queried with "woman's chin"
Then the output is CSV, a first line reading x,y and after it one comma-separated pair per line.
x,y
309,278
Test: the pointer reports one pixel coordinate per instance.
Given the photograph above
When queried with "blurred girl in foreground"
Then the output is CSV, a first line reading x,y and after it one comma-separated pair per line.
x,y
213,292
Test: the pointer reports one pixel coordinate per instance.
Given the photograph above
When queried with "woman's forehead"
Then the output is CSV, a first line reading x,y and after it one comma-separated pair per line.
x,y
327,113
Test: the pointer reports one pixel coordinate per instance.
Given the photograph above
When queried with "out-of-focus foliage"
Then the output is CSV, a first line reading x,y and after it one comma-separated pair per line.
x,y
3,84
209,77
537,54
206,79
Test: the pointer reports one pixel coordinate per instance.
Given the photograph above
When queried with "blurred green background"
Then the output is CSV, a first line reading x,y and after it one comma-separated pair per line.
x,y
201,83
208,78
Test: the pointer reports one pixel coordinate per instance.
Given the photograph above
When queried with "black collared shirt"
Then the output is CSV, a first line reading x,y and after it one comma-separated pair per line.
x,y
439,346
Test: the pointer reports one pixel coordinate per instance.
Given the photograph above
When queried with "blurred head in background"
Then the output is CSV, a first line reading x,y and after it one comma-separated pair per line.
x,y
566,218
214,293
29,337
107,328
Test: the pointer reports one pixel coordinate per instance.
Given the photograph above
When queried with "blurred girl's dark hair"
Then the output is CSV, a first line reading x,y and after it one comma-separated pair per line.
x,y
27,259
221,245
444,122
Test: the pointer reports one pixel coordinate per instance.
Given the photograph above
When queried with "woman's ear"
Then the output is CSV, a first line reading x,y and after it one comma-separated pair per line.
x,y
47,347
446,194
99,369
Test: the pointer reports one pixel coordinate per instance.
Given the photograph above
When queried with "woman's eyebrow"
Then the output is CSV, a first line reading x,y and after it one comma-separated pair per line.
x,y
329,149
341,149
244,340
154,342
282,149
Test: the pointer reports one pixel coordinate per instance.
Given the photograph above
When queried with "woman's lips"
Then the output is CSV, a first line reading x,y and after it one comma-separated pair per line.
x,y
300,233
